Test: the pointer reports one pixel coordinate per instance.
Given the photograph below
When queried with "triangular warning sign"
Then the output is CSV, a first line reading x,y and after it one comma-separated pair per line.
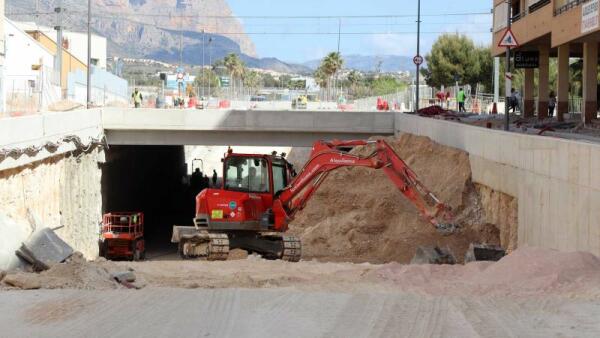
x,y
508,40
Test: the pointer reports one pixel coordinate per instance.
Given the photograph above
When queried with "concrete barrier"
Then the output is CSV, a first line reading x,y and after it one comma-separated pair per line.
x,y
553,179
37,130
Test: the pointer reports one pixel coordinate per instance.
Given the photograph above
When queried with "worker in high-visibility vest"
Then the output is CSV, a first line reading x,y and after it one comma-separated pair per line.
x,y
137,98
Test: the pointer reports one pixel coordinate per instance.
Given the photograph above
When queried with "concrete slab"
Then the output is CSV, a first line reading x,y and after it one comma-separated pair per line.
x,y
46,249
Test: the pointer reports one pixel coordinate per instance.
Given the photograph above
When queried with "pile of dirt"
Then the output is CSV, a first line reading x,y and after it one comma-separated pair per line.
x,y
64,105
358,215
75,273
525,272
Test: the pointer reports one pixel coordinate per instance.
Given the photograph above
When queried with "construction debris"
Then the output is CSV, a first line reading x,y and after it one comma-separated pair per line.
x,y
23,281
433,255
484,252
44,249
123,276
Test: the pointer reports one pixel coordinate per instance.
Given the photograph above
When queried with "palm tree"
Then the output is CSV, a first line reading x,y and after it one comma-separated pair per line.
x,y
331,64
252,80
354,79
235,67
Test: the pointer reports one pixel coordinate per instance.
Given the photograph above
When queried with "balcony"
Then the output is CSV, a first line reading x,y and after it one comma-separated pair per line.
x,y
569,5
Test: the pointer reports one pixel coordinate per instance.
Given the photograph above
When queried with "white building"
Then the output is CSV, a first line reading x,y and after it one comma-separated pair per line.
x,y
30,81
76,43
2,54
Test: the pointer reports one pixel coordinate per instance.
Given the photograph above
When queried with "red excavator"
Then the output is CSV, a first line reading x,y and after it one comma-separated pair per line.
x,y
261,194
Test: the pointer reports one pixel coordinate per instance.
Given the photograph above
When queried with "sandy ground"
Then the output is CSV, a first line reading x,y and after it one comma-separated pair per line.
x,y
530,293
168,312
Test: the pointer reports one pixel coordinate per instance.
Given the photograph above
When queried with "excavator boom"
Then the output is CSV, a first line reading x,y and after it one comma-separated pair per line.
x,y
328,156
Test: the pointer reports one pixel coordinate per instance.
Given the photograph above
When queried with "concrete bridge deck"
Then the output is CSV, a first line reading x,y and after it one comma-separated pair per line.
x,y
45,133
240,127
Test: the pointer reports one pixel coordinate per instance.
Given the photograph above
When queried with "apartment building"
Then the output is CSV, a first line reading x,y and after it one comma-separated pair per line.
x,y
561,29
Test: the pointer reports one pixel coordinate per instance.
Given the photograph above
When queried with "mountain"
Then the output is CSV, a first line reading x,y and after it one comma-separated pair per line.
x,y
368,63
139,27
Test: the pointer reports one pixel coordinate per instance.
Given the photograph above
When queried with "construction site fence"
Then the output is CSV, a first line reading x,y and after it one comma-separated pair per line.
x,y
26,97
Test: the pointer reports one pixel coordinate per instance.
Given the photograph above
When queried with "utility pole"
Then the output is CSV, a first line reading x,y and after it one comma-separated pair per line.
x,y
203,63
507,98
335,81
496,79
210,65
339,34
89,56
59,38
417,87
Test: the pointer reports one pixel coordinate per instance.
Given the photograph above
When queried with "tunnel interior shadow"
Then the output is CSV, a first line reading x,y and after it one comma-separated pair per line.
x,y
153,180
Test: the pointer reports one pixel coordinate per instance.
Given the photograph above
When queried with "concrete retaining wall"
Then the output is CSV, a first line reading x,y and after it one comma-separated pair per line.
x,y
553,179
59,191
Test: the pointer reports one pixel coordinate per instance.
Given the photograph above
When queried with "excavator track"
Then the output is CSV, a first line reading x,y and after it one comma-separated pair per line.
x,y
218,247
212,246
292,249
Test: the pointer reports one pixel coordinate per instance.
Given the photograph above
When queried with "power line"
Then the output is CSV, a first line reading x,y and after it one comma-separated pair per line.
x,y
266,17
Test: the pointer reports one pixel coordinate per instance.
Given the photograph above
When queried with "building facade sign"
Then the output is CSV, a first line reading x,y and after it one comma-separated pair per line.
x,y
527,59
589,16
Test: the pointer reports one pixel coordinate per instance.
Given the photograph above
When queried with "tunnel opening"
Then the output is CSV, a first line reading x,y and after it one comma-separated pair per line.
x,y
163,182
153,180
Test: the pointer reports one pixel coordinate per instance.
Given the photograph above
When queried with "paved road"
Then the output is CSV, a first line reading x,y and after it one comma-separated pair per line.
x,y
163,312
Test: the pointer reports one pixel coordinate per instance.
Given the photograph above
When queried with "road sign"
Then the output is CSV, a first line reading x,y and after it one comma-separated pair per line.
x,y
224,81
418,60
508,40
180,76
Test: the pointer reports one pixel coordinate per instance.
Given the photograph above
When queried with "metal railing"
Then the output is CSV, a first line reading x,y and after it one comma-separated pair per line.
x,y
568,6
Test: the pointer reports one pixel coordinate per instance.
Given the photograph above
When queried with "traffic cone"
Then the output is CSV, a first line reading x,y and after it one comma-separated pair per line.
x,y
494,109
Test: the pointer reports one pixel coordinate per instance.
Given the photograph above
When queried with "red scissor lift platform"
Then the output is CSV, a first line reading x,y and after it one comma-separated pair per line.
x,y
122,236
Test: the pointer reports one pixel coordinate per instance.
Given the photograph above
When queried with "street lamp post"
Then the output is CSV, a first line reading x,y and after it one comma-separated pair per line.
x,y
417,87
203,63
506,117
210,65
89,56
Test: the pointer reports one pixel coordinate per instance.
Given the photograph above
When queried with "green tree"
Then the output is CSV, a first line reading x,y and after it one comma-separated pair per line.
x,y
330,65
235,66
354,80
252,80
454,55
206,77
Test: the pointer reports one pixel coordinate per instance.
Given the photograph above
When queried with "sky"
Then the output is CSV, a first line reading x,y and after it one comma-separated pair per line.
x,y
293,39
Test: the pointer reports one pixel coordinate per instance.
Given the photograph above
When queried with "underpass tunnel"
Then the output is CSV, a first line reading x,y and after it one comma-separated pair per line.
x,y
152,180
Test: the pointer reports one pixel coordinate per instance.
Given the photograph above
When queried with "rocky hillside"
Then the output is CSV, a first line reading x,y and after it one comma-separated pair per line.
x,y
147,28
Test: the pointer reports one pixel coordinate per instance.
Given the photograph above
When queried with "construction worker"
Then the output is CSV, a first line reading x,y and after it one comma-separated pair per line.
x,y
137,98
551,103
460,98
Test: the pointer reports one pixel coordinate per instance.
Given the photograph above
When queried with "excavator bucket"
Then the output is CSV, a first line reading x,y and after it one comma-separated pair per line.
x,y
433,255
484,252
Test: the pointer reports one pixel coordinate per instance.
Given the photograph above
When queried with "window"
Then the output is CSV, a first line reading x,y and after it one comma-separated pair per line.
x,y
247,174
279,177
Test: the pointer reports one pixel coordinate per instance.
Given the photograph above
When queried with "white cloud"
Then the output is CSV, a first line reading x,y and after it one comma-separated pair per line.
x,y
395,44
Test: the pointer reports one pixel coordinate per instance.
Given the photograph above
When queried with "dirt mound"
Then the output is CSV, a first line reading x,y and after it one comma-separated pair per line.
x,y
64,105
359,215
525,272
75,273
